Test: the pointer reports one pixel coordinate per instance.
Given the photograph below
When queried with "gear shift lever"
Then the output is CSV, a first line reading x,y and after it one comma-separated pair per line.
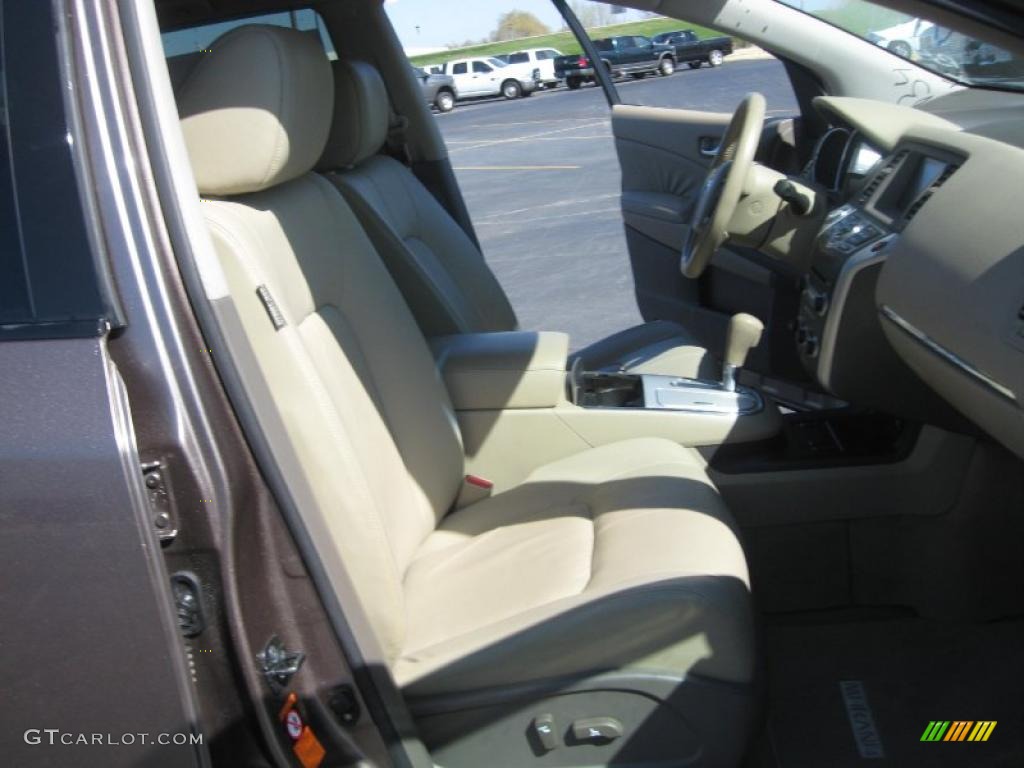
x,y
744,334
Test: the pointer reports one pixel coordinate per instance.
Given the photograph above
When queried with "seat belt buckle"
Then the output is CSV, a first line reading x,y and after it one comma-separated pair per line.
x,y
474,489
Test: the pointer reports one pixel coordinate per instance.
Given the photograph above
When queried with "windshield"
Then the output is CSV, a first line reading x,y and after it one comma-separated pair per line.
x,y
936,48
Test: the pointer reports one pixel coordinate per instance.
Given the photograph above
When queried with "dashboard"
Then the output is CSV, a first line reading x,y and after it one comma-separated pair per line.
x,y
914,300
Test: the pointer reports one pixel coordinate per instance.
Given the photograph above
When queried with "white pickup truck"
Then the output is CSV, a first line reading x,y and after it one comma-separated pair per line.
x,y
542,58
487,76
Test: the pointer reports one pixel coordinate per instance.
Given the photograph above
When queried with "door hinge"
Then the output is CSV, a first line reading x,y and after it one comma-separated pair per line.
x,y
165,523
278,664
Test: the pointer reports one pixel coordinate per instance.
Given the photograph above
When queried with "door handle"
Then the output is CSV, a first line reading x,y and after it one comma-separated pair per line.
x,y
709,145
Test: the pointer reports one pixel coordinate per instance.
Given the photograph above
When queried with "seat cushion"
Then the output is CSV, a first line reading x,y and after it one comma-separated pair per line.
x,y
629,543
659,346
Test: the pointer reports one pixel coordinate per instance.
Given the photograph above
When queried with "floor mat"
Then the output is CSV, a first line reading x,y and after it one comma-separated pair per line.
x,y
885,681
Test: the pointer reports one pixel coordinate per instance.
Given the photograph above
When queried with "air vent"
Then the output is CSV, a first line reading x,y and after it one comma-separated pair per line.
x,y
883,173
923,198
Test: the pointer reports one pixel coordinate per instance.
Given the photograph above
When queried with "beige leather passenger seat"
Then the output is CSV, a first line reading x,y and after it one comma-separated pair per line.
x,y
610,584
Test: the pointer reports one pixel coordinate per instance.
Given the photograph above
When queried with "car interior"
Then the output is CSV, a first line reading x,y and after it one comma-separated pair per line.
x,y
777,524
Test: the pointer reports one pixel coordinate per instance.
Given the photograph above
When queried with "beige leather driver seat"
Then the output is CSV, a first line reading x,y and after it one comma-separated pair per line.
x,y
439,269
609,584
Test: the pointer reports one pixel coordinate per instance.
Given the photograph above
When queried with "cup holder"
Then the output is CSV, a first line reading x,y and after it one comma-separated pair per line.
x,y
609,390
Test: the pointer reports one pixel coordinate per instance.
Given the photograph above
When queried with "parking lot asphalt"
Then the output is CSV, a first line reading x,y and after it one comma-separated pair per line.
x,y
541,179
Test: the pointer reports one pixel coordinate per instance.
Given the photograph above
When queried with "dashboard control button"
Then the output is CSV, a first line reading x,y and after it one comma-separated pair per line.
x,y
810,347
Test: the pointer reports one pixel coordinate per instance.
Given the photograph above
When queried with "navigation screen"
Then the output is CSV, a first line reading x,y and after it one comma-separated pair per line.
x,y
914,176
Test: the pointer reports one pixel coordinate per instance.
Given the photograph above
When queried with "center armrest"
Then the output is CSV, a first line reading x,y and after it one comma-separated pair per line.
x,y
498,371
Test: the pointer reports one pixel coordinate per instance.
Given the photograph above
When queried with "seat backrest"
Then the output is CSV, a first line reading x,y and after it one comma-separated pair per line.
x,y
440,271
350,374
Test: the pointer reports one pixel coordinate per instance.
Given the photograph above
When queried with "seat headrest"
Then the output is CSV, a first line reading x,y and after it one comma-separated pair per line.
x,y
256,110
361,115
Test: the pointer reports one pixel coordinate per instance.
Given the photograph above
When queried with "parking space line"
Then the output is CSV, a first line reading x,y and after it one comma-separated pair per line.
x,y
560,120
576,202
516,167
515,139
533,138
557,217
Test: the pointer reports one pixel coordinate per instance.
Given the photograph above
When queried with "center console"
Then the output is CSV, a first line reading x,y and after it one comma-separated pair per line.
x,y
848,253
518,408
837,332
657,392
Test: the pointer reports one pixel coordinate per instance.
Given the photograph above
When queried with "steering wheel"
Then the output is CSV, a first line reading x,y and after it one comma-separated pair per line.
x,y
720,193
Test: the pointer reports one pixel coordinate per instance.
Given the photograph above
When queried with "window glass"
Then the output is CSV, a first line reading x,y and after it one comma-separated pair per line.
x,y
51,283
518,58
479,66
14,298
194,39
932,46
459,69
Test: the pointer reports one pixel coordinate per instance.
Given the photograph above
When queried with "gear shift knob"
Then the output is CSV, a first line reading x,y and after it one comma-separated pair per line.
x,y
744,334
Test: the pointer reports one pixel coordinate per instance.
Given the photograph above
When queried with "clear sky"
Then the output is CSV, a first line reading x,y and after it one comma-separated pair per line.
x,y
435,23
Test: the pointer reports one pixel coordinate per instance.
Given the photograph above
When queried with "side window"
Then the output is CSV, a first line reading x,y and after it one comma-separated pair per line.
x,y
51,282
479,66
519,58
460,68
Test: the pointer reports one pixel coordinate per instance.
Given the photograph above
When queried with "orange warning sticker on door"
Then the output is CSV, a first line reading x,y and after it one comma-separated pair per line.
x,y
308,749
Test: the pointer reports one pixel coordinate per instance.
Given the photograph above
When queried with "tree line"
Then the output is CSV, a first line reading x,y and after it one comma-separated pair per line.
x,y
515,24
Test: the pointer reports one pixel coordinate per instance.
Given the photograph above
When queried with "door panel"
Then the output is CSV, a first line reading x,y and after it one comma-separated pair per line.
x,y
664,155
662,170
662,165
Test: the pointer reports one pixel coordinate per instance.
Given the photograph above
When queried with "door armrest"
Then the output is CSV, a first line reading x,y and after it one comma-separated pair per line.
x,y
658,205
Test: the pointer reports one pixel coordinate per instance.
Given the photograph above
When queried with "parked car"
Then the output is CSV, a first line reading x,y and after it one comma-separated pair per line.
x,y
541,58
624,55
903,39
440,90
490,76
694,51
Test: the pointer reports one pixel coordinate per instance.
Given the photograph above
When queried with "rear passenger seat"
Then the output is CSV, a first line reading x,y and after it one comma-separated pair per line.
x,y
610,584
